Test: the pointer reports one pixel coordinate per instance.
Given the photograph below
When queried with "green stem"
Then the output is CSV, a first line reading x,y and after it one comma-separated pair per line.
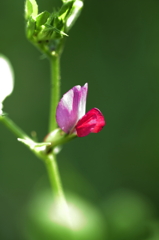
x,y
55,181
53,173
13,127
55,90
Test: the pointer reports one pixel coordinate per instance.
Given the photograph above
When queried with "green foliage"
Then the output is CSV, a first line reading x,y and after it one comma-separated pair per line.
x,y
65,1
46,28
31,8
63,12
42,18
74,13
31,144
30,26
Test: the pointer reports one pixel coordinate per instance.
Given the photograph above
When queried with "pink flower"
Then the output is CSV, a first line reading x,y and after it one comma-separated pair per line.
x,y
71,117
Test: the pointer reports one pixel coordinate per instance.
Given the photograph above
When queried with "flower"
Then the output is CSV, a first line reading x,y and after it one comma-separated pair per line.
x,y
71,117
6,80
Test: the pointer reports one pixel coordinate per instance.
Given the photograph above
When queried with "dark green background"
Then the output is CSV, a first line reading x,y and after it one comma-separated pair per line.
x,y
114,46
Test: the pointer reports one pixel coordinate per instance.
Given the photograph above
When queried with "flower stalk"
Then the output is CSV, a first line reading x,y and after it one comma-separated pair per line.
x,y
54,176
55,89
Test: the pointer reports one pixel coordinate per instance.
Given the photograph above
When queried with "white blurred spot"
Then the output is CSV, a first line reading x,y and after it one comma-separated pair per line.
x,y
69,216
6,80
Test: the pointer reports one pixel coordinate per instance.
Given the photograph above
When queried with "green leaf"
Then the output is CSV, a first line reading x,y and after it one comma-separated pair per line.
x,y
34,145
44,34
50,19
31,8
65,1
74,13
42,18
55,29
69,13
28,142
30,27
42,144
64,11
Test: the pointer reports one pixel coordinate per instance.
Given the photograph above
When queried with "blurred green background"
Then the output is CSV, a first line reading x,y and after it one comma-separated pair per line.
x,y
114,46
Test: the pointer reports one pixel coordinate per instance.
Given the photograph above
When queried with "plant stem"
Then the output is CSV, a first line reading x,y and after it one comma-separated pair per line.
x,y
53,173
50,162
13,127
55,181
55,90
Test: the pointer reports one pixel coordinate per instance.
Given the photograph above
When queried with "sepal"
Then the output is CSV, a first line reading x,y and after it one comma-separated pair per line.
x,y
54,136
57,139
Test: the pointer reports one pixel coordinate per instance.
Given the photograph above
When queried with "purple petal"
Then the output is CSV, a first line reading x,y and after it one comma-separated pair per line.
x,y
71,108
